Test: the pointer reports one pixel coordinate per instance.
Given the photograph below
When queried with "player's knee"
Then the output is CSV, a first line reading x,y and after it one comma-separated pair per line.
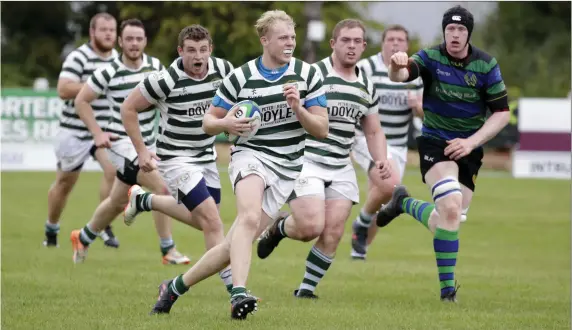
x,y
448,198
310,230
161,189
309,222
250,219
64,183
386,189
208,218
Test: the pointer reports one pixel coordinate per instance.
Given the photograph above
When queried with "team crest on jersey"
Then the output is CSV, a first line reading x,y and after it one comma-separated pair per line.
x,y
470,79
216,83
363,94
157,75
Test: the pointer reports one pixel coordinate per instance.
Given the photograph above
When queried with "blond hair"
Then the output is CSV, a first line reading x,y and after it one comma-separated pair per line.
x,y
268,19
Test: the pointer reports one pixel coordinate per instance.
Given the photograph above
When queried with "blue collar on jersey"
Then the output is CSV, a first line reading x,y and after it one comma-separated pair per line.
x,y
270,74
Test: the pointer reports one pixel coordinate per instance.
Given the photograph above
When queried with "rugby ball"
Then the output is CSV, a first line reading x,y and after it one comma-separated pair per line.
x,y
246,109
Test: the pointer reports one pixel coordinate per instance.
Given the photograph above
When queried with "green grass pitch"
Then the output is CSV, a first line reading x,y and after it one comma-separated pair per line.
x,y
513,267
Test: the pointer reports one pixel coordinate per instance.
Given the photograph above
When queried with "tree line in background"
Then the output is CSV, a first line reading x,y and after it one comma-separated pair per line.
x,y
531,40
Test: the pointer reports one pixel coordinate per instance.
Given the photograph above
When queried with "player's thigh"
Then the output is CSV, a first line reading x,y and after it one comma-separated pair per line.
x,y
67,180
102,157
434,165
187,184
307,205
152,181
249,179
469,167
118,192
337,212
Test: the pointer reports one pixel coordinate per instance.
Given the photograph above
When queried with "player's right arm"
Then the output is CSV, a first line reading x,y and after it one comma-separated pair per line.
x,y
220,117
69,81
96,85
145,95
404,69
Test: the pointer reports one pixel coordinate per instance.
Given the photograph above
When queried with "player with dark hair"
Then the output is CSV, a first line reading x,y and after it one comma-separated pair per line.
x,y
115,81
460,83
74,143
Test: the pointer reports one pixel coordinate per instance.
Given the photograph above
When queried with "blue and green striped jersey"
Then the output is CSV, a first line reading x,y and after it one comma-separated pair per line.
x,y
457,93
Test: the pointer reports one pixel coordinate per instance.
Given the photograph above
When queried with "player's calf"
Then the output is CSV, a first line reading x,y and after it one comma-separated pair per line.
x,y
270,239
203,207
322,253
448,199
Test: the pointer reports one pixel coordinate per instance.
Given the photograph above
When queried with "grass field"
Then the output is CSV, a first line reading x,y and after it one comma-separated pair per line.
x,y
513,267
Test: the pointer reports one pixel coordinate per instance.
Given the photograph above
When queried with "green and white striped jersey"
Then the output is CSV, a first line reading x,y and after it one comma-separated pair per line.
x,y
78,66
279,143
394,111
116,81
183,101
348,103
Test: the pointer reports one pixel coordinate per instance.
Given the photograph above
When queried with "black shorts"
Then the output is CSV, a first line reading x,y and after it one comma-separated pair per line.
x,y
130,171
432,151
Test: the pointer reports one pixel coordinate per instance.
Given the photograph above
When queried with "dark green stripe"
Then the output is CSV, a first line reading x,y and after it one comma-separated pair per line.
x,y
281,128
122,87
348,98
173,73
298,67
72,71
278,142
150,90
325,153
435,121
191,97
164,87
254,84
106,76
331,142
291,157
97,83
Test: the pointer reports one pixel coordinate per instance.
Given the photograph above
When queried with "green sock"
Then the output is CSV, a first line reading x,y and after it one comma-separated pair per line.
x,y
418,209
87,236
226,277
178,286
237,291
446,246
